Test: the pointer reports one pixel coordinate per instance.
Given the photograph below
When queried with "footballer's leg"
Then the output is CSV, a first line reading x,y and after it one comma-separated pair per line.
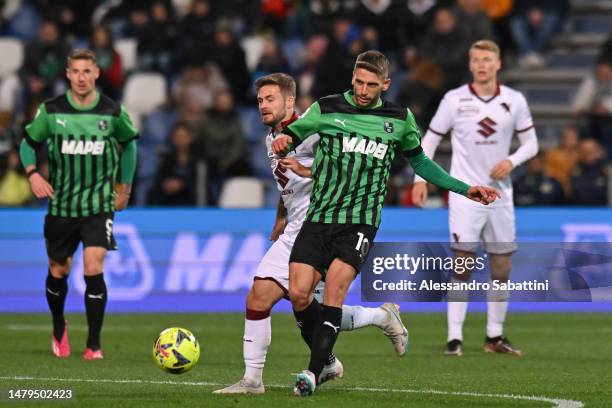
x,y
56,289
466,223
95,299
264,294
302,280
457,304
97,237
338,280
386,317
500,242
497,307
61,239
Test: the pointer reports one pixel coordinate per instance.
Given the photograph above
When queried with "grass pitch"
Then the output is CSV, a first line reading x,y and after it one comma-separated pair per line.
x,y
568,359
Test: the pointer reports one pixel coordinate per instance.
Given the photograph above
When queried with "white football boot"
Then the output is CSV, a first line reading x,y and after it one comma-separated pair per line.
x,y
244,386
394,328
331,372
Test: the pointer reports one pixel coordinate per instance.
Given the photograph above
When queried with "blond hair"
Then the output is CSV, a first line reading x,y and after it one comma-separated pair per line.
x,y
486,45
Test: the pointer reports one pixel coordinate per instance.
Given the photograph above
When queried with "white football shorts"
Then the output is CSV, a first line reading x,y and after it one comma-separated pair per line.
x,y
494,226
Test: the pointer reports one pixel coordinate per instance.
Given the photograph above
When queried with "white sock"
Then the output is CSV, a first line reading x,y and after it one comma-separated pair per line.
x,y
456,312
257,338
496,315
355,317
497,306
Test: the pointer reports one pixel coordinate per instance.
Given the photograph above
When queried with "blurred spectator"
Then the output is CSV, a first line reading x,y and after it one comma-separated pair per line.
x,y
380,15
240,16
474,20
230,58
416,20
303,102
195,90
315,49
125,18
175,183
559,162
533,25
152,144
274,13
109,61
157,41
14,185
536,187
8,138
447,45
73,17
499,12
220,135
422,91
335,68
20,20
605,52
593,101
45,63
271,60
589,179
323,14
196,33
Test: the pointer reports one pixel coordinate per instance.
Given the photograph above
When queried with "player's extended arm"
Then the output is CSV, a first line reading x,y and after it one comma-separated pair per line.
x,y
419,189
295,166
430,144
128,168
281,220
40,187
431,172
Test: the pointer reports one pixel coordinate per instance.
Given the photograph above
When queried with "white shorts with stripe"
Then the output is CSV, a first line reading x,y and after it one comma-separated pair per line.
x,y
470,223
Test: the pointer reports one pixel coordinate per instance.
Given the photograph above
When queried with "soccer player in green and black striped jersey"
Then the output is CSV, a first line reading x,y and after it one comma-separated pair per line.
x,y
359,136
88,136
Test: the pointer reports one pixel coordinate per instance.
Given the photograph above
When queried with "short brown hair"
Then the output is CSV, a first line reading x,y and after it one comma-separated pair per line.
x,y
486,45
81,54
373,61
285,82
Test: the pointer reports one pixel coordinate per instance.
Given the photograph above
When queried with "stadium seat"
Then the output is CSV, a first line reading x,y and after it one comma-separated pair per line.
x,y
126,47
242,192
11,50
144,91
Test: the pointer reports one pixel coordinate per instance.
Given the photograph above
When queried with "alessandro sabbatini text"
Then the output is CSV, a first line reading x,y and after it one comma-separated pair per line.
x,y
431,272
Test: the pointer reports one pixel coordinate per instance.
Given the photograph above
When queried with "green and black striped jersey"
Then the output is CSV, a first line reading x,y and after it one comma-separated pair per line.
x,y
353,161
83,144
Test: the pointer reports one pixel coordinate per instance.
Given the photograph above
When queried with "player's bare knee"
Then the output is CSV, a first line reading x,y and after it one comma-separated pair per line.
x,y
500,267
462,270
258,299
92,267
335,294
60,269
300,297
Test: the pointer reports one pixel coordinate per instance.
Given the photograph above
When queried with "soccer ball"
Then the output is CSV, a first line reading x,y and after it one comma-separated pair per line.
x,y
176,350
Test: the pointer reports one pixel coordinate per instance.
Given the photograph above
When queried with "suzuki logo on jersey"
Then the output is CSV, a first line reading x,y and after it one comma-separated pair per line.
x,y
364,146
82,147
486,127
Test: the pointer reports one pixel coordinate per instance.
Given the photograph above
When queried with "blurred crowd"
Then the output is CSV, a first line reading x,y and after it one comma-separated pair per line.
x,y
209,52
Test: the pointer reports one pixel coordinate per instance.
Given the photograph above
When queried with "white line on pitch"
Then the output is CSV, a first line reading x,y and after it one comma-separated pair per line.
x,y
556,402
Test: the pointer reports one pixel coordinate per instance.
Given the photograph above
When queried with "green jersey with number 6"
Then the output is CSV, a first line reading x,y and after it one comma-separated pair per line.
x,y
353,162
83,144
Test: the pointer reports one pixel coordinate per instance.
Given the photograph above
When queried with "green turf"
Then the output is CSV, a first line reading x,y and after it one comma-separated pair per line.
x,y
567,356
